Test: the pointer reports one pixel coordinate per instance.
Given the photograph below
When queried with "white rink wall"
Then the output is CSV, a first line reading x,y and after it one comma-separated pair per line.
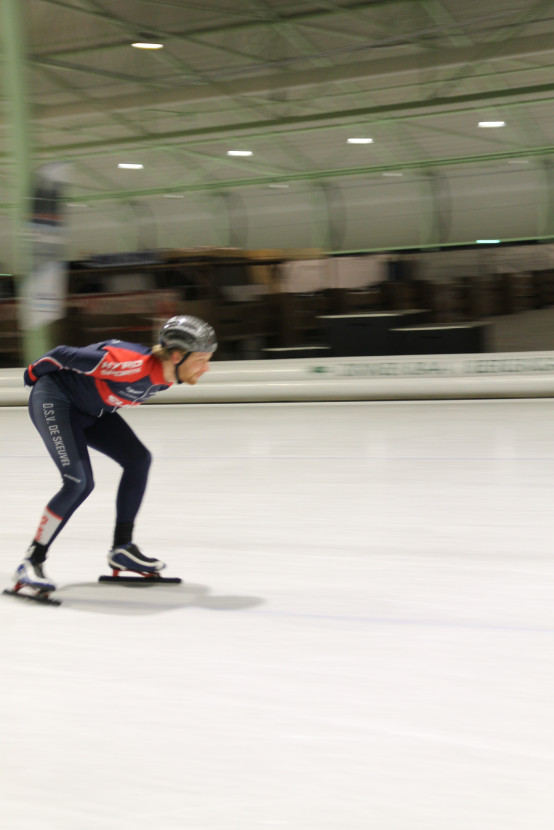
x,y
420,377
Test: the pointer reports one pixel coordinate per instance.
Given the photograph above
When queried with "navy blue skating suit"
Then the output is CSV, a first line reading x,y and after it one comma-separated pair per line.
x,y
73,404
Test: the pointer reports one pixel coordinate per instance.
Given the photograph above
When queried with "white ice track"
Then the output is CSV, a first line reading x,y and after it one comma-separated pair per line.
x,y
364,639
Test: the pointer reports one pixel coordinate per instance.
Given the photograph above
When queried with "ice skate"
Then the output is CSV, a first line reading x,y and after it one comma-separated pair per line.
x,y
29,575
128,559
32,583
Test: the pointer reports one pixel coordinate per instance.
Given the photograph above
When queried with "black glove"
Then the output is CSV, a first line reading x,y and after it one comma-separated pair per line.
x,y
27,381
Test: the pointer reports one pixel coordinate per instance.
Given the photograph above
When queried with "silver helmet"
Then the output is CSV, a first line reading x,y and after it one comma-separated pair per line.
x,y
191,334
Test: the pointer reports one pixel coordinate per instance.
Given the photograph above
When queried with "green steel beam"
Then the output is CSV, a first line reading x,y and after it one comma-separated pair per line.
x,y
462,243
53,63
35,341
297,104
482,53
528,15
320,175
224,28
15,93
265,81
441,16
381,114
117,117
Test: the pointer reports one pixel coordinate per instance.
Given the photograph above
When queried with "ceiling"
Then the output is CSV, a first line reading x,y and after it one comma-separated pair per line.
x,y
288,81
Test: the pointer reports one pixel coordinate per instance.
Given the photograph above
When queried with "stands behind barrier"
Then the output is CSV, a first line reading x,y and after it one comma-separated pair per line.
x,y
275,319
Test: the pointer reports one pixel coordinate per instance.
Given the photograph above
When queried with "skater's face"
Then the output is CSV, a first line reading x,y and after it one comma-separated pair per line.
x,y
196,365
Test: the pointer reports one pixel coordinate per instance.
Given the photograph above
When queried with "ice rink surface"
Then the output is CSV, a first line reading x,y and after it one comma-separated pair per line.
x,y
364,638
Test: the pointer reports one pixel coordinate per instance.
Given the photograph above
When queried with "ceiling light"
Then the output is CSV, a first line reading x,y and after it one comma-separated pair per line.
x,y
147,45
390,175
518,161
359,141
240,153
487,241
173,196
491,124
279,186
125,166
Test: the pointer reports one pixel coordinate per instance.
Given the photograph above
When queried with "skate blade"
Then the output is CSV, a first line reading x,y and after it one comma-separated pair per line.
x,y
43,598
139,579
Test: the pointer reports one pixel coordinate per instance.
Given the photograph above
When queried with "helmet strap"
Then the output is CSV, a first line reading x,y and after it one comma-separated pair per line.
x,y
176,366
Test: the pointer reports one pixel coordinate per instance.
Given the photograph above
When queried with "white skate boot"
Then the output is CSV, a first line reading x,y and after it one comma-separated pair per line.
x,y
32,583
29,575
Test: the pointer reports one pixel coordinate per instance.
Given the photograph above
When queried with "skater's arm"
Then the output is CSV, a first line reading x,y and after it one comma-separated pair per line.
x,y
64,357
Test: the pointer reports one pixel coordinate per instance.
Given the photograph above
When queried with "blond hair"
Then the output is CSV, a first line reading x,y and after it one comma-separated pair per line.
x,y
160,352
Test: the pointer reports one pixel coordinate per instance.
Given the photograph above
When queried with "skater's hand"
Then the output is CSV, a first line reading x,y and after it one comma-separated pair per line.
x,y
27,381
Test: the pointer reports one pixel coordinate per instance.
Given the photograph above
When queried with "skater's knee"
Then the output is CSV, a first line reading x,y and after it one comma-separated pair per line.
x,y
147,458
77,489
141,460
88,487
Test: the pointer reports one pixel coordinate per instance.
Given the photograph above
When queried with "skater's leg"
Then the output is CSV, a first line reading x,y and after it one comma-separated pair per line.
x,y
113,436
61,428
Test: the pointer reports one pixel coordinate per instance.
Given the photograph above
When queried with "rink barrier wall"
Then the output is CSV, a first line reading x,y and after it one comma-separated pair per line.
x,y
423,377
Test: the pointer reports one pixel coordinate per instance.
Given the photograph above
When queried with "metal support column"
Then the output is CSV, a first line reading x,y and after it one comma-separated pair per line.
x,y
545,229
35,341
435,224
